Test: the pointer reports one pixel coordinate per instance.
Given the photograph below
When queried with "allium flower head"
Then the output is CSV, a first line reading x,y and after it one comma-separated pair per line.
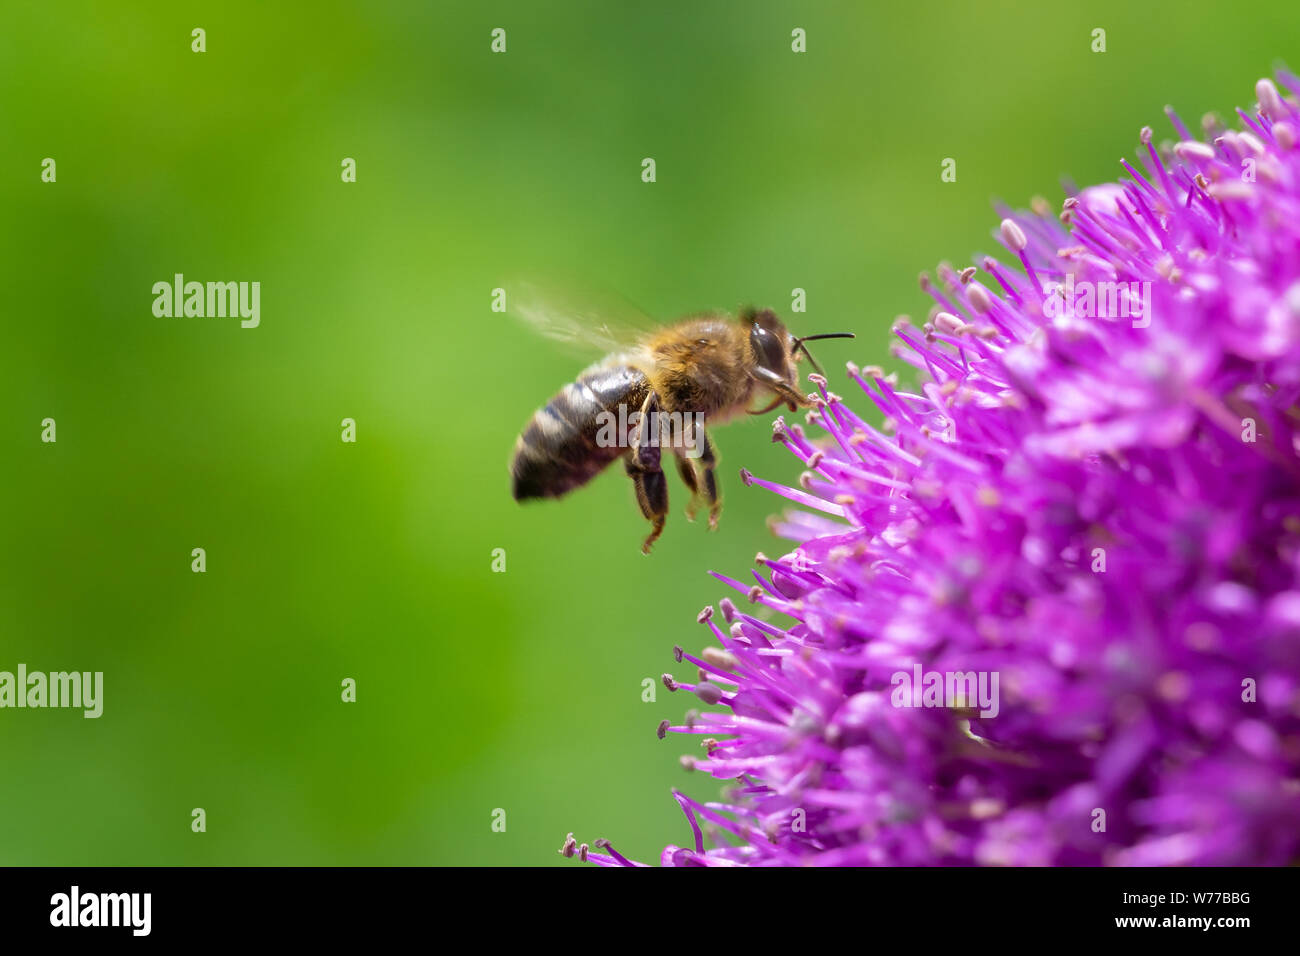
x,y
1094,494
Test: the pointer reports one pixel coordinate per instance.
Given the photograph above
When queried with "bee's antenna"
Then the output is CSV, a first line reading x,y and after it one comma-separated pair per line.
x,y
824,335
817,368
799,345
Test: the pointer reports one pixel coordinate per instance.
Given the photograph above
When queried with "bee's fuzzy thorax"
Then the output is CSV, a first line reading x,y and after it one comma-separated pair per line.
x,y
699,365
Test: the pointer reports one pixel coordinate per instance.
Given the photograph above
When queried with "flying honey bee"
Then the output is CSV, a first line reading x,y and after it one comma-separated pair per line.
x,y
656,390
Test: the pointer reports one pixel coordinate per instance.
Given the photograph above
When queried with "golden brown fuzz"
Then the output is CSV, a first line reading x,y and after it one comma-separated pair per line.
x,y
700,371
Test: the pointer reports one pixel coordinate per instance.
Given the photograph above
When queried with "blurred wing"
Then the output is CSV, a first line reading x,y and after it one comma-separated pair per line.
x,y
598,326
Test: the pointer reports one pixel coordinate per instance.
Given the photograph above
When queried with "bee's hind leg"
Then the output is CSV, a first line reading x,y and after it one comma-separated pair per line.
x,y
651,495
643,467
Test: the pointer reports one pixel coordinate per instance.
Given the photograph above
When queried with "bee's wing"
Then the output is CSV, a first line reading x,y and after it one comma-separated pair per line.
x,y
599,325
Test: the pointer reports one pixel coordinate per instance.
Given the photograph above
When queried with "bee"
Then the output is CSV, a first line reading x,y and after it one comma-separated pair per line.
x,y
657,392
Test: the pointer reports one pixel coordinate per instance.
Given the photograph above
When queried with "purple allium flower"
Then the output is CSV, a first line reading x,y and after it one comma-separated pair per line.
x,y
1094,494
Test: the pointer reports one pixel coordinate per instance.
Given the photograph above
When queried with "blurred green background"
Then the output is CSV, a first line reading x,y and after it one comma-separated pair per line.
x,y
476,690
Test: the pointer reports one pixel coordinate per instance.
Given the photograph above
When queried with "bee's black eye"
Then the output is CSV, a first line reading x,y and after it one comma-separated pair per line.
x,y
768,349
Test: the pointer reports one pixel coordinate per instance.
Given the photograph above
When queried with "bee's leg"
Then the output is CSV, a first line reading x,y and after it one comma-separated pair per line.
x,y
708,462
686,448
768,407
691,480
792,397
651,495
647,476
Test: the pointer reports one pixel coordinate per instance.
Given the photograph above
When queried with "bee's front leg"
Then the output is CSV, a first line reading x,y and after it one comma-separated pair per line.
x,y
644,469
792,397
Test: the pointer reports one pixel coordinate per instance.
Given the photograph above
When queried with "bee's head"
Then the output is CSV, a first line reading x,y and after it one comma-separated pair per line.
x,y
775,349
771,343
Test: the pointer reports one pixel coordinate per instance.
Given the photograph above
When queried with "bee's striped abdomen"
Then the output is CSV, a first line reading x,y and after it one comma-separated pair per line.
x,y
558,450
